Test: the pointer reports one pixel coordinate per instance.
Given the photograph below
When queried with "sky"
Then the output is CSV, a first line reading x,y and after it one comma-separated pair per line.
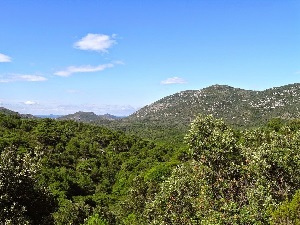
x,y
115,56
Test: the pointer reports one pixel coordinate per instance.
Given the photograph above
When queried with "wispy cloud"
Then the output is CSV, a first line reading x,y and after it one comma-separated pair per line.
x,y
96,42
82,69
21,77
4,58
30,103
174,80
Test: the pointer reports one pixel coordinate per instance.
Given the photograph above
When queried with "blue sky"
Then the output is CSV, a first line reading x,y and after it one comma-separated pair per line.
x,y
115,56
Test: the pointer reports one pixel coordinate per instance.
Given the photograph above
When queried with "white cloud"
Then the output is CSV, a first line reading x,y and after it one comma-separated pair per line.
x,y
21,77
4,58
96,42
173,80
31,78
82,69
30,103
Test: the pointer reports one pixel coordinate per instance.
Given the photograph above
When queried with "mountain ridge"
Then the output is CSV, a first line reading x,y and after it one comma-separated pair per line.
x,y
88,117
171,116
223,100
11,112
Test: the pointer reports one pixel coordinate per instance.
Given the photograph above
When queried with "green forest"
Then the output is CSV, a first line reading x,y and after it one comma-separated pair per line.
x,y
67,172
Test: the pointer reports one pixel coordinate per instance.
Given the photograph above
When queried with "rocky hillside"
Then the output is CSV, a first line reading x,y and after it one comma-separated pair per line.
x,y
234,105
169,118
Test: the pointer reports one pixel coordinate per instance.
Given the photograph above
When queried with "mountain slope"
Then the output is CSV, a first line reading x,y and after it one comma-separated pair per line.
x,y
234,105
88,117
169,118
7,111
10,112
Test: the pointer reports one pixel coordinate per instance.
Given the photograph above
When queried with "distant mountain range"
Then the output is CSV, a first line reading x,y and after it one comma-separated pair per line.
x,y
173,114
51,116
88,117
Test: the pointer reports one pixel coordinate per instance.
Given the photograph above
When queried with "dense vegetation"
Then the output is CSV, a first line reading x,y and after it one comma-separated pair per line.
x,y
82,169
66,172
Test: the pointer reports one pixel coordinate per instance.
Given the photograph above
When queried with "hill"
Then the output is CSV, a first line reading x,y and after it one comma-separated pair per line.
x,y
236,106
171,115
10,112
88,117
7,111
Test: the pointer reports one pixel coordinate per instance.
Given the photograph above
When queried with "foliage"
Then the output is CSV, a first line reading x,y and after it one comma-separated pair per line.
x,y
234,177
175,203
88,169
95,220
288,213
88,174
22,199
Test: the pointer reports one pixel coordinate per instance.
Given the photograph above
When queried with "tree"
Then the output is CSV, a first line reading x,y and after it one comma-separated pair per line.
x,y
22,199
176,202
233,177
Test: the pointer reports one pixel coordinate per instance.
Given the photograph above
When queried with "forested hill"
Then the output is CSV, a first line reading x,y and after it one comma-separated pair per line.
x,y
236,106
168,119
7,111
10,112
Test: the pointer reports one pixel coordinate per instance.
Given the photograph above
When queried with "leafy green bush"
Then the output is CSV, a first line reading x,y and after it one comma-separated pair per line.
x,y
288,213
95,220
